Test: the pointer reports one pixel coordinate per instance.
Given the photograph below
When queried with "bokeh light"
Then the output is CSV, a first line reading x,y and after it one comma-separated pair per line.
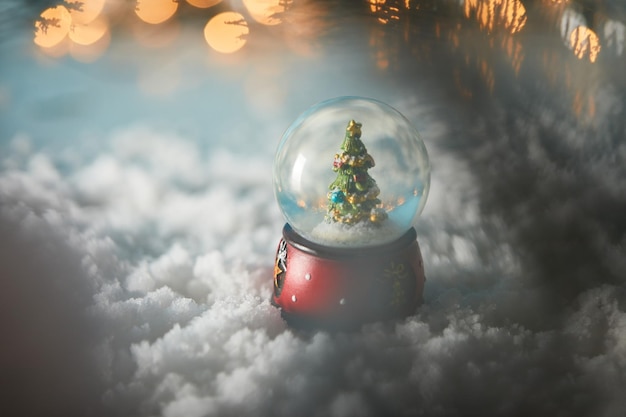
x,y
59,50
585,43
513,14
203,4
85,11
52,26
266,12
493,14
155,11
375,5
90,53
90,33
226,32
386,11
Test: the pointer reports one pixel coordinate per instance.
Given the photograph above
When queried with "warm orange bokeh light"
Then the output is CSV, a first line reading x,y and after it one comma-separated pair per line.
x,y
89,33
85,11
52,27
226,32
155,11
386,11
203,4
585,43
93,51
265,11
57,51
511,14
375,5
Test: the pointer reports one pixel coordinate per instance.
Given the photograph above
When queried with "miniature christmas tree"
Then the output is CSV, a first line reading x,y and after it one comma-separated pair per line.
x,y
353,194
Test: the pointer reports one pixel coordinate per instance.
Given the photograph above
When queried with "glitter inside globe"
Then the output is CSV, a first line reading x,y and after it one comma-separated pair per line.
x,y
383,184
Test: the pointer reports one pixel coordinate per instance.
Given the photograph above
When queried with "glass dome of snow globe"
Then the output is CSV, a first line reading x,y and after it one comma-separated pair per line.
x,y
351,172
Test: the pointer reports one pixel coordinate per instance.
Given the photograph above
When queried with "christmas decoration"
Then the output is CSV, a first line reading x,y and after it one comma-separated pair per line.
x,y
352,196
349,253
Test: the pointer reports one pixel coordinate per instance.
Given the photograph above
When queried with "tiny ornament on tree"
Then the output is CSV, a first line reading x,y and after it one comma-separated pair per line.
x,y
349,253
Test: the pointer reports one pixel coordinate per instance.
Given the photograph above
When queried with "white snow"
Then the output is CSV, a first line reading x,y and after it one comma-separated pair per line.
x,y
127,292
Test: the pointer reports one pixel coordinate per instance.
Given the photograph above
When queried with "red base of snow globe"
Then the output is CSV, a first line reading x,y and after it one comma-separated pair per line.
x,y
317,286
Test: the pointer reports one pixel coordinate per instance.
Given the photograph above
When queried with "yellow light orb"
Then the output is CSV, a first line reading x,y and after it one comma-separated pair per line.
x,y
585,43
513,14
89,33
85,11
203,4
155,11
265,11
93,51
52,27
226,32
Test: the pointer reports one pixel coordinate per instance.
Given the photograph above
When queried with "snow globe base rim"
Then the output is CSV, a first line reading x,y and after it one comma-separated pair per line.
x,y
344,252
317,288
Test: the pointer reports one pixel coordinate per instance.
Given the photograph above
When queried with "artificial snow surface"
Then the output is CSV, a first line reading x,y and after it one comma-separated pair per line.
x,y
137,286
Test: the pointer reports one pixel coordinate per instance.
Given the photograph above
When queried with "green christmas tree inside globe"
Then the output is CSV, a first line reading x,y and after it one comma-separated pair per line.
x,y
353,195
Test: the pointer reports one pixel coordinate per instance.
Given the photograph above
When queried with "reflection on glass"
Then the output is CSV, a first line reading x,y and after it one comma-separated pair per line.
x,y
84,11
266,12
226,32
52,26
585,43
155,11
203,4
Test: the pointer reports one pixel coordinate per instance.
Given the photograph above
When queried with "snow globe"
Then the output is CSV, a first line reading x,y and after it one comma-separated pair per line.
x,y
351,177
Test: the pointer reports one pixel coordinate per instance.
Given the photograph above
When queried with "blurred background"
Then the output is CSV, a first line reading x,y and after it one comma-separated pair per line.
x,y
74,70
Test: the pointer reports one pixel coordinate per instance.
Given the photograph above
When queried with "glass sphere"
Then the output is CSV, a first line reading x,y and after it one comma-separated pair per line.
x,y
351,172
